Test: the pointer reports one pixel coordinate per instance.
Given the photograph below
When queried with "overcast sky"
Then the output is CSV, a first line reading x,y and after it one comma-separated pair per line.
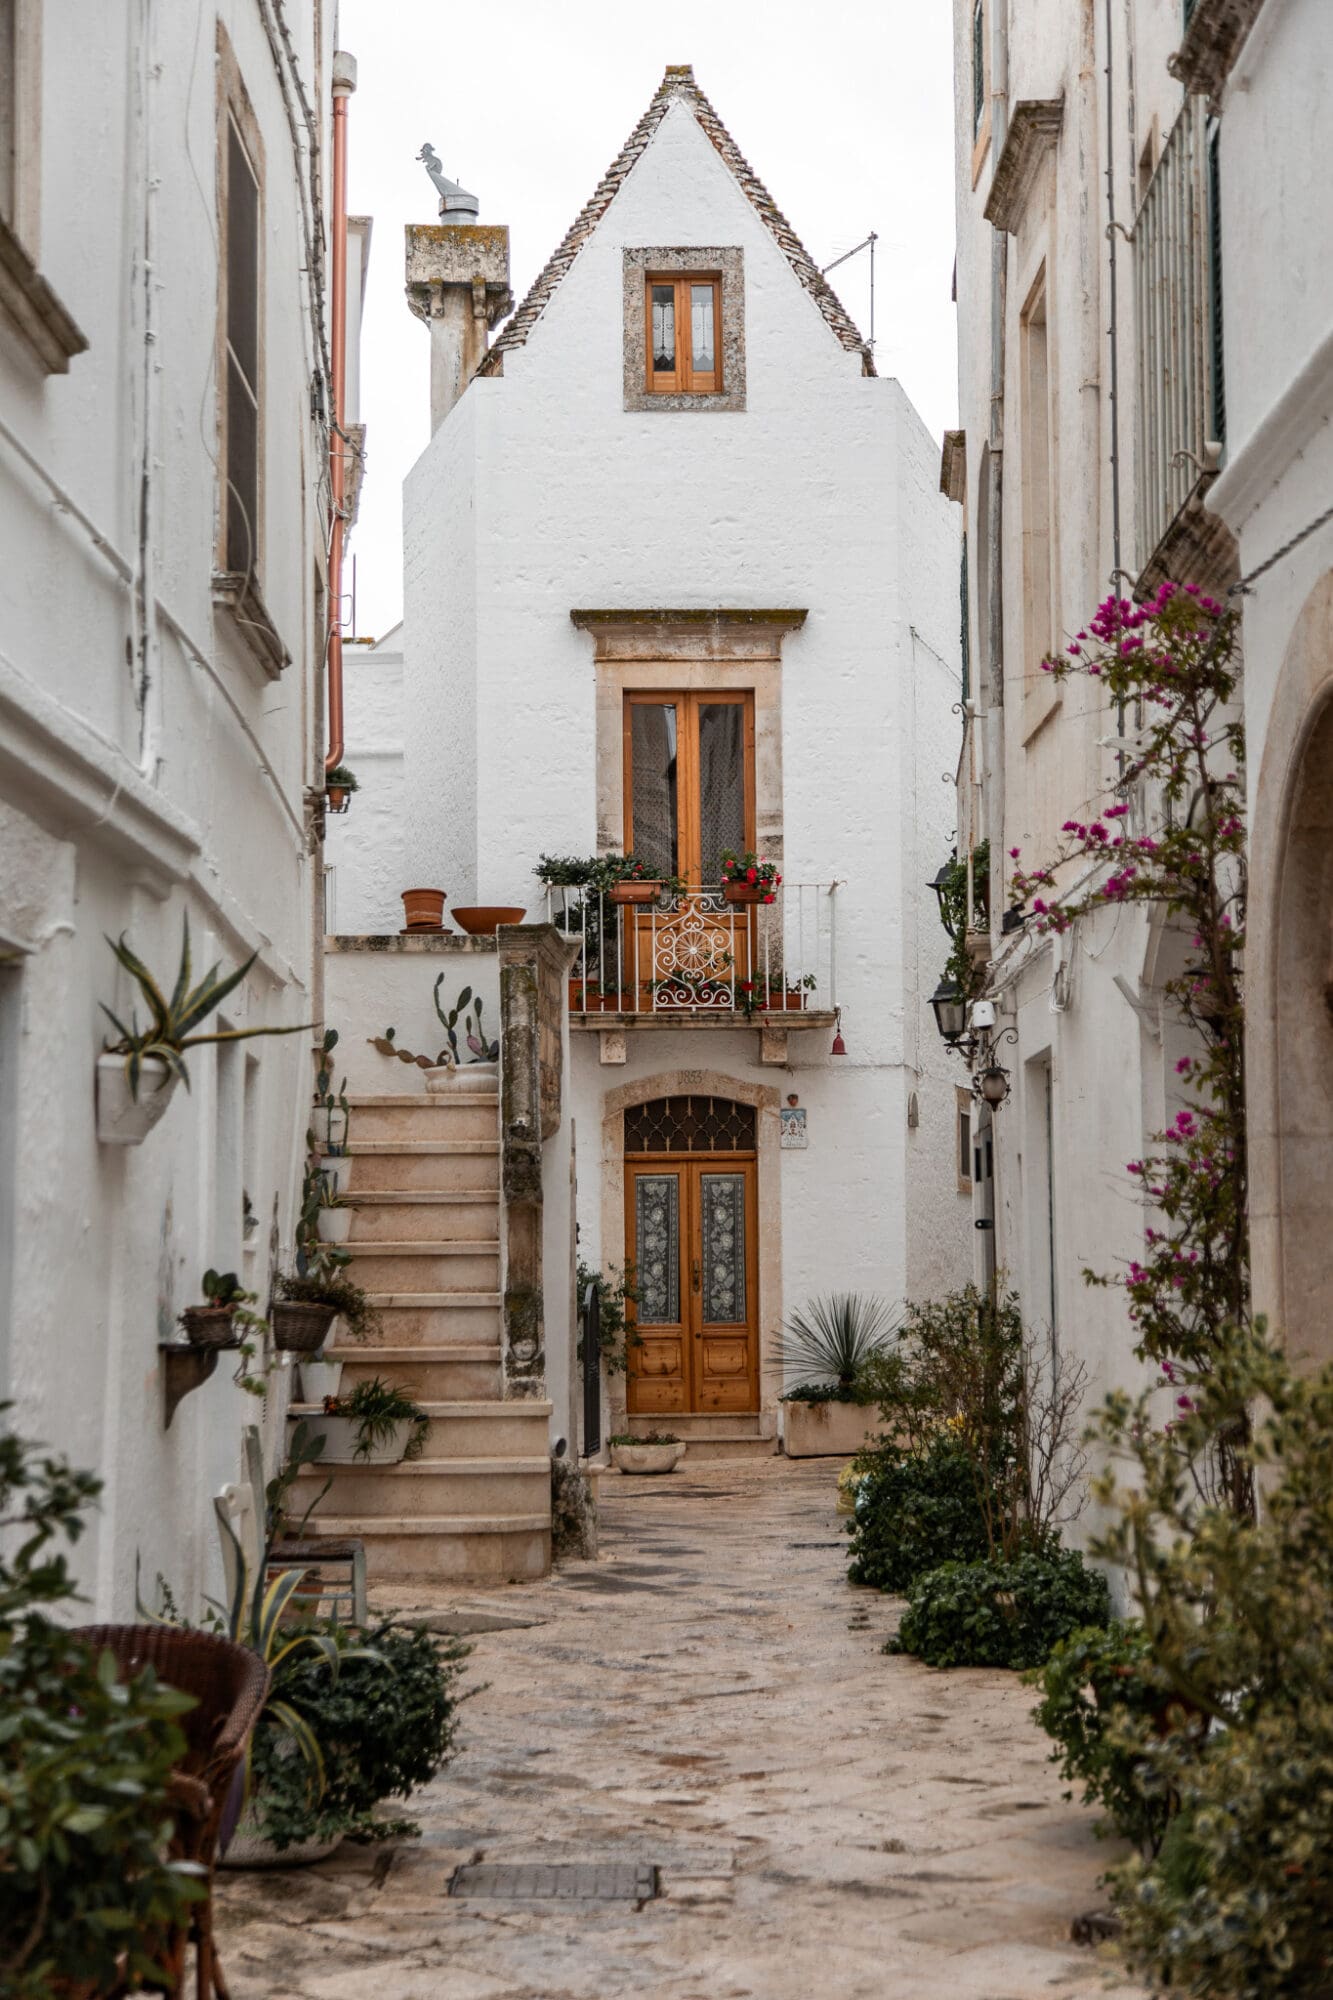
x,y
844,110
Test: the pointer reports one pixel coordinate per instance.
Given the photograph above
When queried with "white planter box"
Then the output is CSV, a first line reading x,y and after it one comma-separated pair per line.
x,y
475,1076
828,1430
647,1457
340,1435
123,1120
334,1224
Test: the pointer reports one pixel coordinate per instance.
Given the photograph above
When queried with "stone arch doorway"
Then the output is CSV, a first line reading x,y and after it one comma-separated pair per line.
x,y
1289,1035
683,1151
691,1239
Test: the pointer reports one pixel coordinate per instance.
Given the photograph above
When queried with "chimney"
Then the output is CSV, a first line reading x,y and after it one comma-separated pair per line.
x,y
458,282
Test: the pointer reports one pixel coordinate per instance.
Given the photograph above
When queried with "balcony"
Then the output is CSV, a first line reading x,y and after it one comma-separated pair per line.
x,y
697,961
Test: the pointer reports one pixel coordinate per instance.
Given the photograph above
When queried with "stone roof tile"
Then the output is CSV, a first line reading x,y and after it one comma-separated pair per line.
x,y
678,85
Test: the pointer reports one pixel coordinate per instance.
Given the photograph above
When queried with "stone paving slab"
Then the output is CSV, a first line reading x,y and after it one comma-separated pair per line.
x,y
709,1698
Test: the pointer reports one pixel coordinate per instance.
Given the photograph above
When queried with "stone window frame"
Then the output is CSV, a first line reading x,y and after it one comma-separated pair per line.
x,y
709,259
33,318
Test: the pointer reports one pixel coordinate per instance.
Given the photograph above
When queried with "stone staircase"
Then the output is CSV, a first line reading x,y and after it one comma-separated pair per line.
x,y
425,1243
711,1437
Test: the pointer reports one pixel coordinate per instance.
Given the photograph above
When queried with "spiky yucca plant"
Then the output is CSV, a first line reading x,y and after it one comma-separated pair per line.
x,y
834,1337
173,1021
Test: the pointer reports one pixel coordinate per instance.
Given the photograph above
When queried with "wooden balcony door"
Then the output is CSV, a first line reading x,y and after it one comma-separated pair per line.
x,y
689,799
690,1239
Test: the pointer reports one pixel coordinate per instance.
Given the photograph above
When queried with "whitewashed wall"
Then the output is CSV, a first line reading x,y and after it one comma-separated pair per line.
x,y
539,494
117,815
363,847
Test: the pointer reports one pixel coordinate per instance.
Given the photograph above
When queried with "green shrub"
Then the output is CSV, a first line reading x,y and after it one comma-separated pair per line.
x,y
84,1764
1100,1697
1239,1610
1000,1614
912,1514
385,1726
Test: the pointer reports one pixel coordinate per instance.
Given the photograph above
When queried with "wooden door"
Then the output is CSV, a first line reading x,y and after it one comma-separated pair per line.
x,y
690,1227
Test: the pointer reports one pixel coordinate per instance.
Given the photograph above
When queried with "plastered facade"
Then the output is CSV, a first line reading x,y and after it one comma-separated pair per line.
x,y
149,767
541,495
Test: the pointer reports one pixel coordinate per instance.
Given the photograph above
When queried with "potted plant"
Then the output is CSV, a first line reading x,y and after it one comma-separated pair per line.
x,y
137,1075
748,878
829,1414
629,880
339,784
423,909
655,1451
377,1424
333,1217
213,1324
448,1070
322,1295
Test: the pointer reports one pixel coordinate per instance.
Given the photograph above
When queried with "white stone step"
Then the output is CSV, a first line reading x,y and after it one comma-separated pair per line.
x,y
454,1486
466,1115
414,1215
441,1165
466,1371
463,1265
497,1548
475,1431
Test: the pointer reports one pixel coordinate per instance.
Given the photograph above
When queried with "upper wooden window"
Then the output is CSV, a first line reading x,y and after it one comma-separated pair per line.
x,y
689,781
241,426
683,327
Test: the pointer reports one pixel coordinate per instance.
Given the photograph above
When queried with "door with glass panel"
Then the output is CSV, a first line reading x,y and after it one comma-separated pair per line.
x,y
689,799
690,1222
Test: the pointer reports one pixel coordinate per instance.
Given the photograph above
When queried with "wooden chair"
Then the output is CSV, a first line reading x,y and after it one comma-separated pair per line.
x,y
341,1594
230,1685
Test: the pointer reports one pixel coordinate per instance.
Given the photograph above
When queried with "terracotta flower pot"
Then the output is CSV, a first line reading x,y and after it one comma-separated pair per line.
x,y
634,892
208,1326
337,796
423,909
300,1327
484,919
746,892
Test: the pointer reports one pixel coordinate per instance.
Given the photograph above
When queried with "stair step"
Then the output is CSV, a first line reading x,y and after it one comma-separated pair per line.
x,y
377,1148
418,1267
470,1432
421,1215
433,1100
469,1372
438,1324
458,1486
447,1548
466,1116
462,1350
446,1197
388,1301
701,1424
458,1246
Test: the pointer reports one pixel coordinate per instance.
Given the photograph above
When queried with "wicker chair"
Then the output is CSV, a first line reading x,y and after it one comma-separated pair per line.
x,y
230,1685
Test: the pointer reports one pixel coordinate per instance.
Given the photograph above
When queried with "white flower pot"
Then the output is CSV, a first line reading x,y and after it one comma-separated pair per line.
x,y
334,1224
828,1430
647,1457
248,1848
337,1171
319,1378
471,1076
123,1120
340,1436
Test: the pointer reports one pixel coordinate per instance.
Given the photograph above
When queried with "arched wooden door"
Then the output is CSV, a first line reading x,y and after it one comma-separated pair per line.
x,y
691,1243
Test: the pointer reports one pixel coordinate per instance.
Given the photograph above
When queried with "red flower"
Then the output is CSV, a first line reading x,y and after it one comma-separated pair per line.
x,y
770,899
747,986
752,874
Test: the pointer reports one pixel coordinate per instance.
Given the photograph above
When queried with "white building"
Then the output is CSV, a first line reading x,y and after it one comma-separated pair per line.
x,y
165,286
1144,378
1267,66
679,580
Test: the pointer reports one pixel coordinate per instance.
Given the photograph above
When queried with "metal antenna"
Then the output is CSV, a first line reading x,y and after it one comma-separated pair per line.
x,y
868,243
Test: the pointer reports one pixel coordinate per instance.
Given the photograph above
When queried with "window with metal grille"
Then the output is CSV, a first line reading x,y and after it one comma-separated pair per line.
x,y
241,386
690,1125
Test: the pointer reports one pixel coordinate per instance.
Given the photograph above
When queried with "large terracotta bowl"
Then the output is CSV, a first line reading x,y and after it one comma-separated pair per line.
x,y
484,920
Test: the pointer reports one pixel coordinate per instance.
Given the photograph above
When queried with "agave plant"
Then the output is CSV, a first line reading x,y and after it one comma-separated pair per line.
x,y
834,1337
173,1021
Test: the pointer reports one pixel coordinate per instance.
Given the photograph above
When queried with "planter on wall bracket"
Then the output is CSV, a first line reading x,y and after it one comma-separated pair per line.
x,y
186,1368
122,1118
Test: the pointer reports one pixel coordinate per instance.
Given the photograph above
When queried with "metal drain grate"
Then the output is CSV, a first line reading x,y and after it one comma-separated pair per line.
x,y
559,1881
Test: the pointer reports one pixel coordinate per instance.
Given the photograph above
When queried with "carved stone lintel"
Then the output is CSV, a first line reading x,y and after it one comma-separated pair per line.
x,y
1213,39
1034,126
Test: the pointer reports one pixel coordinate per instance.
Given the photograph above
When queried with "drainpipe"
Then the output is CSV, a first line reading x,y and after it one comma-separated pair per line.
x,y
149,663
993,688
344,83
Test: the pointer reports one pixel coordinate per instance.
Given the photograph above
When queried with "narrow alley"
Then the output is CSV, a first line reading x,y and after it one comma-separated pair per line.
x,y
709,1698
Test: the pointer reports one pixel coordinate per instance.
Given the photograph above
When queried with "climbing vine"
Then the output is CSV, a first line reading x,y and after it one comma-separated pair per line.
x,y
1171,663
961,970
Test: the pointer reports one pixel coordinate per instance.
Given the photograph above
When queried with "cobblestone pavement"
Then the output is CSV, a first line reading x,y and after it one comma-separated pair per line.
x,y
709,1697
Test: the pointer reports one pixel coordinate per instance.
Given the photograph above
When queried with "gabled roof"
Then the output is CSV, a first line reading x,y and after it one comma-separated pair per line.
x,y
678,84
